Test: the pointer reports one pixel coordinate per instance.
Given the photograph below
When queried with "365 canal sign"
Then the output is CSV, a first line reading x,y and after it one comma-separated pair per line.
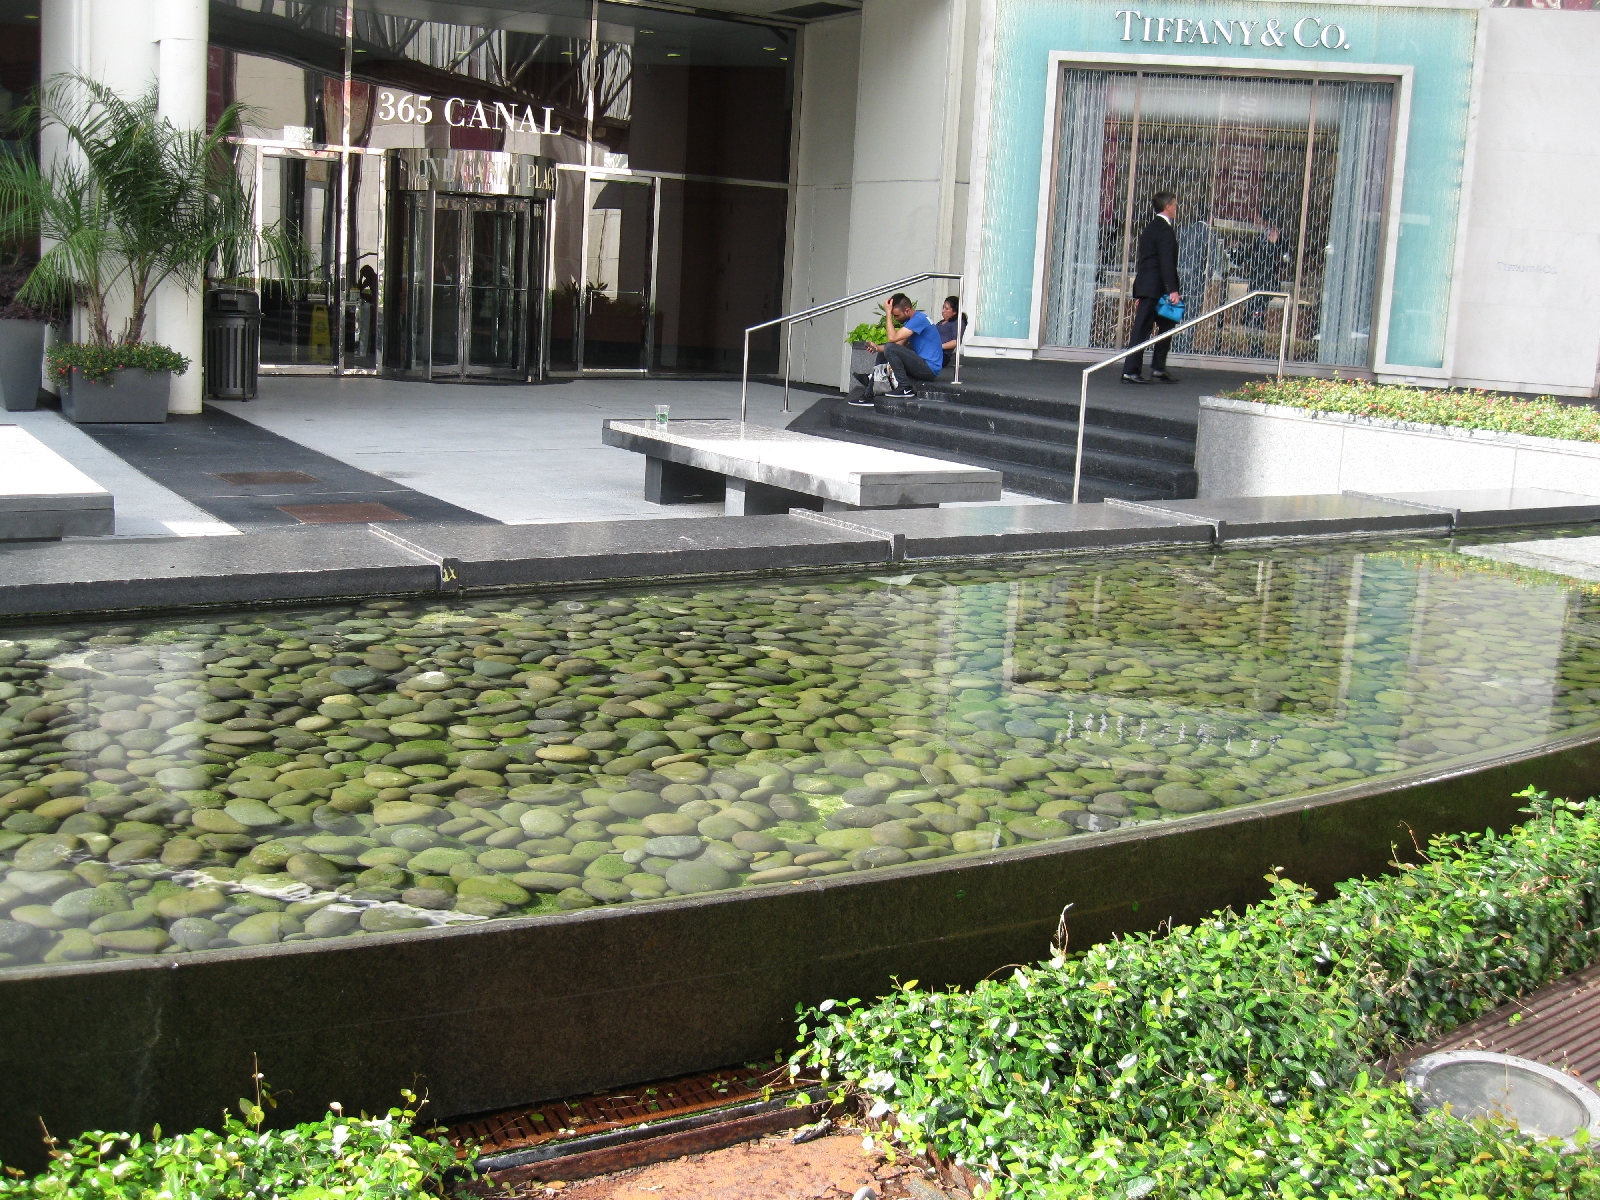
x,y
408,108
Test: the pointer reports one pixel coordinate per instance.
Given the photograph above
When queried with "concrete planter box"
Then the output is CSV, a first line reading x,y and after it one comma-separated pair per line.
x,y
131,397
1248,449
21,355
861,360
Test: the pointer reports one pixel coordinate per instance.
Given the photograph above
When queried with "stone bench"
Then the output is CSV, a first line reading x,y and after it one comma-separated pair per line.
x,y
42,495
757,470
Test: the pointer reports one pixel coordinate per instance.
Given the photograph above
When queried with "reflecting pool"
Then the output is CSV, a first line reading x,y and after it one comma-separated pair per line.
x,y
179,785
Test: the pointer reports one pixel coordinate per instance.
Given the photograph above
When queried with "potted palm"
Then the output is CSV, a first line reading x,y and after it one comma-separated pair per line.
x,y
134,203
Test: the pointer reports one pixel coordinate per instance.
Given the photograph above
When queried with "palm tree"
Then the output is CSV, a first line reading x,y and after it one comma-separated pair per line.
x,y
135,201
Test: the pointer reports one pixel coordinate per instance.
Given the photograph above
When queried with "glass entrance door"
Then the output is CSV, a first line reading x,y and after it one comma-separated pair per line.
x,y
297,197
619,269
482,249
1281,186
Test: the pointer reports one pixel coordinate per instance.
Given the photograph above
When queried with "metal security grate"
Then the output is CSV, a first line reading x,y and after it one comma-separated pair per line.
x,y
523,1128
1558,1025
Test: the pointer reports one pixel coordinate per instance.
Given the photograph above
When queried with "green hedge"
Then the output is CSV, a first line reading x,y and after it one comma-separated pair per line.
x,y
96,362
1230,1058
349,1158
1463,409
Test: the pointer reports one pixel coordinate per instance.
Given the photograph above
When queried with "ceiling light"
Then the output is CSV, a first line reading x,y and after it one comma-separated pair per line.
x,y
673,54
647,31
769,47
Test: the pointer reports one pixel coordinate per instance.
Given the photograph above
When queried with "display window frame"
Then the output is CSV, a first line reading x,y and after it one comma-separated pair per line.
x,y
1401,76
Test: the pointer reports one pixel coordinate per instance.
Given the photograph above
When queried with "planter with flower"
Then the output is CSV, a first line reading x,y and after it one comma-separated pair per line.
x,y
137,204
115,385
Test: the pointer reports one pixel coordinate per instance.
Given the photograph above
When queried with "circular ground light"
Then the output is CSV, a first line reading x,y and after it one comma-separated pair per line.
x,y
1539,1100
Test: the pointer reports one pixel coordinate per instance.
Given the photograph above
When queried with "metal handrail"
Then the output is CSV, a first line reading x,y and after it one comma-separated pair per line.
x,y
821,310
1083,396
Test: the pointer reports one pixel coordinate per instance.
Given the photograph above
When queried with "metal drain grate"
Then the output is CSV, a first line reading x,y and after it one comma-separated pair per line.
x,y
336,514
524,1128
1558,1025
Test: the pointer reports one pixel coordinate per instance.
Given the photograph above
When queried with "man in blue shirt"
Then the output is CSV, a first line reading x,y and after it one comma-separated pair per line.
x,y
913,349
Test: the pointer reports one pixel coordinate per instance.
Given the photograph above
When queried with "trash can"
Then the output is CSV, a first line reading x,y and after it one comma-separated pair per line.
x,y
233,344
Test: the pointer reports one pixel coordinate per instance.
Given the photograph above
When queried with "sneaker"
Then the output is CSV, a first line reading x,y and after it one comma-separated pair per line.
x,y
864,400
1134,379
902,393
1163,377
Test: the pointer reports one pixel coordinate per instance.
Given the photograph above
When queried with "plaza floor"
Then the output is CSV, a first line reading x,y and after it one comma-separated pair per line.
x,y
312,449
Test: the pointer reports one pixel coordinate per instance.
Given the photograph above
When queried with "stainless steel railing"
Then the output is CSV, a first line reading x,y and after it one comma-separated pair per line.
x,y
1083,395
790,320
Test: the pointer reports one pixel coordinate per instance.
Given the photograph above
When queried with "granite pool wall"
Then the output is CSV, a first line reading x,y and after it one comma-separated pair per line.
x,y
517,1011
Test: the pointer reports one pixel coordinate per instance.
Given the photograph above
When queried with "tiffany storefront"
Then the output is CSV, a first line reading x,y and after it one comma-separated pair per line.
x,y
509,190
1282,128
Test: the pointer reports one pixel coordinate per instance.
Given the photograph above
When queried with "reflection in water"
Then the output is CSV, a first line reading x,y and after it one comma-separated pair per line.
x,y
282,776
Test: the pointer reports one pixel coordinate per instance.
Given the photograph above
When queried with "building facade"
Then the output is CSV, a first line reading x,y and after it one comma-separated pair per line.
x,y
528,189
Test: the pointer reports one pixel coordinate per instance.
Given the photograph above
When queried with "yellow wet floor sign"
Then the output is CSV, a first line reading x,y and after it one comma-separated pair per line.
x,y
321,341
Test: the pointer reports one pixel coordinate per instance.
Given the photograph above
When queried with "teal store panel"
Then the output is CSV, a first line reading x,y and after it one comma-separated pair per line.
x,y
1437,43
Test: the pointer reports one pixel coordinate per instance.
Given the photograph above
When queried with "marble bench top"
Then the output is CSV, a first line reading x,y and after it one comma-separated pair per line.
x,y
864,476
33,476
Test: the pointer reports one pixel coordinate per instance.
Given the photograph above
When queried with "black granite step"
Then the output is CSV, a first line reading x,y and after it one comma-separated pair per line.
x,y
1152,478
1044,482
1050,430
1110,415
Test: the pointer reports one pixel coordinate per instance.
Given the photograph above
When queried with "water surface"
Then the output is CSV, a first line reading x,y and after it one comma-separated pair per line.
x,y
281,775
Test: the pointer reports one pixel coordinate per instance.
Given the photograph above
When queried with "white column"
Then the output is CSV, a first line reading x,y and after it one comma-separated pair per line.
x,y
181,31
59,54
903,195
824,155
108,41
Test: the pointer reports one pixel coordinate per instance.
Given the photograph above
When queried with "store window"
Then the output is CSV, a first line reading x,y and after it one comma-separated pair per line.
x,y
1281,187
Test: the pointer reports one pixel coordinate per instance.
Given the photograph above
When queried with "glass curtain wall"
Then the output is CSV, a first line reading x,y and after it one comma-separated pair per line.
x,y
1281,187
670,131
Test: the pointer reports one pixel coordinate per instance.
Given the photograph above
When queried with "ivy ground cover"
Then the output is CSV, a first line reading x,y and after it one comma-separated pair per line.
x,y
1233,1058
1461,408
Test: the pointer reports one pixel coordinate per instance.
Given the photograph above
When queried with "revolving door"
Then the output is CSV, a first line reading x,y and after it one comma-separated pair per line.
x,y
468,286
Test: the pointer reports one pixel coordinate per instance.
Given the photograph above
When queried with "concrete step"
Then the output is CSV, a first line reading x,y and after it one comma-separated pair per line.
x,y
1048,430
1155,478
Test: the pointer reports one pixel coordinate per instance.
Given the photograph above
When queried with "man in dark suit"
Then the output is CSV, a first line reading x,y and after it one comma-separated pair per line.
x,y
1156,278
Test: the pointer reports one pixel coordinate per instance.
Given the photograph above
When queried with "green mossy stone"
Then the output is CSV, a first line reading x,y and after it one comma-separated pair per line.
x,y
845,839
494,887
608,866
547,881
1039,828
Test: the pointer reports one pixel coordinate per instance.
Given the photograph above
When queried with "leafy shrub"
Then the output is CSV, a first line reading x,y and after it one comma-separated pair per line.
x,y
97,362
868,332
1231,1057
1460,408
352,1158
